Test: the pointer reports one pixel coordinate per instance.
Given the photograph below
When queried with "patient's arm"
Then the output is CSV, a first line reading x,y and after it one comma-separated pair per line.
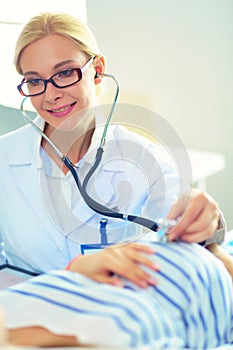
x,y
39,336
223,255
33,336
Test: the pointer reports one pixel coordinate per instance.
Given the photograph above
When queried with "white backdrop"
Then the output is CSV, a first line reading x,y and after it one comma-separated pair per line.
x,y
13,15
175,57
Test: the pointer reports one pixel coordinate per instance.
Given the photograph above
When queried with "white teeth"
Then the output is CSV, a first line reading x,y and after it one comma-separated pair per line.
x,y
60,109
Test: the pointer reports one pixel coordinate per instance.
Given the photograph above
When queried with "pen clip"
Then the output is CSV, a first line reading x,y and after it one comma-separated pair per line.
x,y
103,231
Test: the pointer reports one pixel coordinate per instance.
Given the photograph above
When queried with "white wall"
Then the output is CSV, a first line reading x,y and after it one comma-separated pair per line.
x,y
176,57
13,15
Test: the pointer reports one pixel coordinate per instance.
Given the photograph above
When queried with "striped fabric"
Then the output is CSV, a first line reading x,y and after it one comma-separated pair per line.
x,y
192,306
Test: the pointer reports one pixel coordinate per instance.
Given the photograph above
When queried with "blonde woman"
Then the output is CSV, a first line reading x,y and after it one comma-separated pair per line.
x,y
61,66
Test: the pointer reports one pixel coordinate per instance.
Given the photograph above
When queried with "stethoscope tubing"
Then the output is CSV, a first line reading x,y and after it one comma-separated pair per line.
x,y
94,205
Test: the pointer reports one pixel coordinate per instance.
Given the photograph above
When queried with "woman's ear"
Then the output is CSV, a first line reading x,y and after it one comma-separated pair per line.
x,y
99,66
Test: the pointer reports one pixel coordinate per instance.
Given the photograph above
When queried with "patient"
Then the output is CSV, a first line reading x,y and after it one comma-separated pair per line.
x,y
188,305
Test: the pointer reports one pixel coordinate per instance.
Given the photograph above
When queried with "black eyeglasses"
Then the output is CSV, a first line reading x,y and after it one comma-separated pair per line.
x,y
65,78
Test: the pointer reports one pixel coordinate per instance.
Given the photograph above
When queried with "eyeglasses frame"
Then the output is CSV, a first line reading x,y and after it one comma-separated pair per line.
x,y
80,72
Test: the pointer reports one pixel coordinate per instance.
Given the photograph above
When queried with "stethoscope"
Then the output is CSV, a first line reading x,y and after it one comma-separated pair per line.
x,y
161,226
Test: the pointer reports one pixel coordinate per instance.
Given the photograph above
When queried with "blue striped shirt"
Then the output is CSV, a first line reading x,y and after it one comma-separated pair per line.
x,y
191,307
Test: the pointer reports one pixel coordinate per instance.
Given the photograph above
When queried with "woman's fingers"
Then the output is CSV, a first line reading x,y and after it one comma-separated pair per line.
x,y
198,221
126,261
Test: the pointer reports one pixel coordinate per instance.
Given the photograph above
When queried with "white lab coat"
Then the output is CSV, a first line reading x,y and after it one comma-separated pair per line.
x,y
131,179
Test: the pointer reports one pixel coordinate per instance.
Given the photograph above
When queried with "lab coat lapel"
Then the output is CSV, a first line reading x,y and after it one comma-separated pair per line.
x,y
29,181
36,196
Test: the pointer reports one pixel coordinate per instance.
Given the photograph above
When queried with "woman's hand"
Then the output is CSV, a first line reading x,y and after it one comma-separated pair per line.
x,y
198,217
121,260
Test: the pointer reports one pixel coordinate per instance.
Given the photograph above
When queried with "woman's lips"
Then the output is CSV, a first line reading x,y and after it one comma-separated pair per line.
x,y
61,111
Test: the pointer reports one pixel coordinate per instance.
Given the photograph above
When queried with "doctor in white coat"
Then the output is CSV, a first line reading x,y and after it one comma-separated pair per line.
x,y
44,221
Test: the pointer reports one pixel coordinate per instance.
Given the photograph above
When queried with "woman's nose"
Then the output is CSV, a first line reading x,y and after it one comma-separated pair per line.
x,y
52,93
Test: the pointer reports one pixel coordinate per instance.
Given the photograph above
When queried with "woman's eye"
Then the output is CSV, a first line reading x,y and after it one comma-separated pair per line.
x,y
34,82
65,73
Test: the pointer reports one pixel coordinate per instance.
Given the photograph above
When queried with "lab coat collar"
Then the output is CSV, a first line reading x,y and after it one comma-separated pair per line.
x,y
30,145
27,145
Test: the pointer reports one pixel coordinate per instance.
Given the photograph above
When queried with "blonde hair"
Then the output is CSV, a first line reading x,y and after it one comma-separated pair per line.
x,y
63,24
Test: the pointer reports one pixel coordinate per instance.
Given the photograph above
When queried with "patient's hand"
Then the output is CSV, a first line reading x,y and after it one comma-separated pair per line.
x,y
121,260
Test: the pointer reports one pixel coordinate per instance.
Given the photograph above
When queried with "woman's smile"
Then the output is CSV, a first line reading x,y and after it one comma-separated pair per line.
x,y
62,111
